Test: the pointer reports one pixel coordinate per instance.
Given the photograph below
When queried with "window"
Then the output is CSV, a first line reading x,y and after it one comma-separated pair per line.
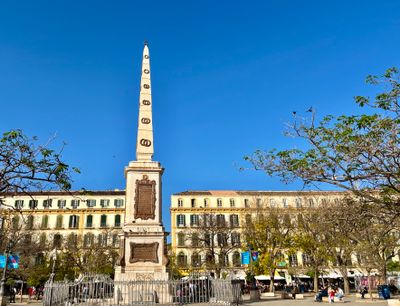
x,y
246,203
57,241
181,260
196,260
195,240
207,239
104,203
72,241
73,221
102,240
117,221
221,220
293,260
75,203
42,240
306,259
272,203
59,222
47,203
181,239
19,204
208,220
89,221
103,221
223,260
194,220
29,222
311,203
234,220
235,239
298,203
91,203
39,259
222,239
115,240
206,202
284,203
180,220
15,223
193,203
45,222
236,259
118,202
248,220
219,202
324,202
61,203
258,203
232,202
33,204
180,202
88,240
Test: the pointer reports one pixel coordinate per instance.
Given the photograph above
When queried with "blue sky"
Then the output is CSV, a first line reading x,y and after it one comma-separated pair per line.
x,y
226,76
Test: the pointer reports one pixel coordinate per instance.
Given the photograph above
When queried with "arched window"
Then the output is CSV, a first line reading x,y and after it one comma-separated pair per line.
x,y
15,222
196,260
102,239
223,260
72,241
182,260
117,221
236,259
219,202
232,202
103,221
57,241
180,202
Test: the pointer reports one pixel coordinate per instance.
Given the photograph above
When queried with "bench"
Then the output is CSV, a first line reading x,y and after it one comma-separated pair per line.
x,y
336,299
393,302
267,294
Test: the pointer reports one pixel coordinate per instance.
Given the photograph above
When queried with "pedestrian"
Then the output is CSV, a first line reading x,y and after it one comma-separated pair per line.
x,y
331,294
295,291
339,293
363,291
13,292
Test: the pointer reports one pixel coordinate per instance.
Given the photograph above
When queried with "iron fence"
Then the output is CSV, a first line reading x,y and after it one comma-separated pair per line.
x,y
103,291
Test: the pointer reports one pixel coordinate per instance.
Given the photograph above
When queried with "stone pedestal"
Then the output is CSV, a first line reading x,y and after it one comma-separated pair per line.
x,y
143,238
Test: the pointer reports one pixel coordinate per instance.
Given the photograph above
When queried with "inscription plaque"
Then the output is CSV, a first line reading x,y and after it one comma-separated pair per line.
x,y
141,252
145,198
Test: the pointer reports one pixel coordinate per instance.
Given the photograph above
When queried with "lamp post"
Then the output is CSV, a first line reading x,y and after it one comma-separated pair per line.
x,y
3,299
54,257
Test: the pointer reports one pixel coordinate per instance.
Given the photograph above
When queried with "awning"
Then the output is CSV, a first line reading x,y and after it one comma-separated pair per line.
x,y
301,276
267,277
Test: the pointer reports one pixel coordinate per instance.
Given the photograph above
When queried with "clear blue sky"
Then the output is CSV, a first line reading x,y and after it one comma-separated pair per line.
x,y
226,77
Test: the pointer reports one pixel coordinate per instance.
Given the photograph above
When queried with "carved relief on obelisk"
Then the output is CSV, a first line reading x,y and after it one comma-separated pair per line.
x,y
143,237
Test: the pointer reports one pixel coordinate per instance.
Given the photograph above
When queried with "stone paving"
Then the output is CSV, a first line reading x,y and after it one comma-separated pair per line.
x,y
309,300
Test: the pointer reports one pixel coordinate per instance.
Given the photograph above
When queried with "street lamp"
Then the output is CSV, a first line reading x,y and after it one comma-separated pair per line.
x,y
3,299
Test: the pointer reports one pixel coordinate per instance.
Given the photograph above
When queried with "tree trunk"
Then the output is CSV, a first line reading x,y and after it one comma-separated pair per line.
x,y
272,281
370,284
316,272
343,271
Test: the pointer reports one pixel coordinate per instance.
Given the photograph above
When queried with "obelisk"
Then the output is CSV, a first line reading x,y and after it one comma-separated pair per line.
x,y
143,239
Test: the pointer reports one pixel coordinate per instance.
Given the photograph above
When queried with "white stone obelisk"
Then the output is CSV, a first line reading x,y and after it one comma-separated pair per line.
x,y
143,239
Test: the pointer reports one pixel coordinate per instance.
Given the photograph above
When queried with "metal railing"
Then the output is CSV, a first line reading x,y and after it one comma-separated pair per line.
x,y
103,291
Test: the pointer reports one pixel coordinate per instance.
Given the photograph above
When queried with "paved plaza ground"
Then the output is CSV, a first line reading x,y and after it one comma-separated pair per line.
x,y
276,301
309,300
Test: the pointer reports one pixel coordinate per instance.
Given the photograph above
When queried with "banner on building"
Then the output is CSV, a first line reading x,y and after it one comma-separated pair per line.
x,y
254,256
245,258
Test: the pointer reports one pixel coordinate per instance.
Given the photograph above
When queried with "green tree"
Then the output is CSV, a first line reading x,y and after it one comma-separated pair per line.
x,y
269,233
358,153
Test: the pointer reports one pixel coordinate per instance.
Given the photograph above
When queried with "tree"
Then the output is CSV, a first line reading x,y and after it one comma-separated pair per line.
x,y
269,233
214,238
357,153
26,166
